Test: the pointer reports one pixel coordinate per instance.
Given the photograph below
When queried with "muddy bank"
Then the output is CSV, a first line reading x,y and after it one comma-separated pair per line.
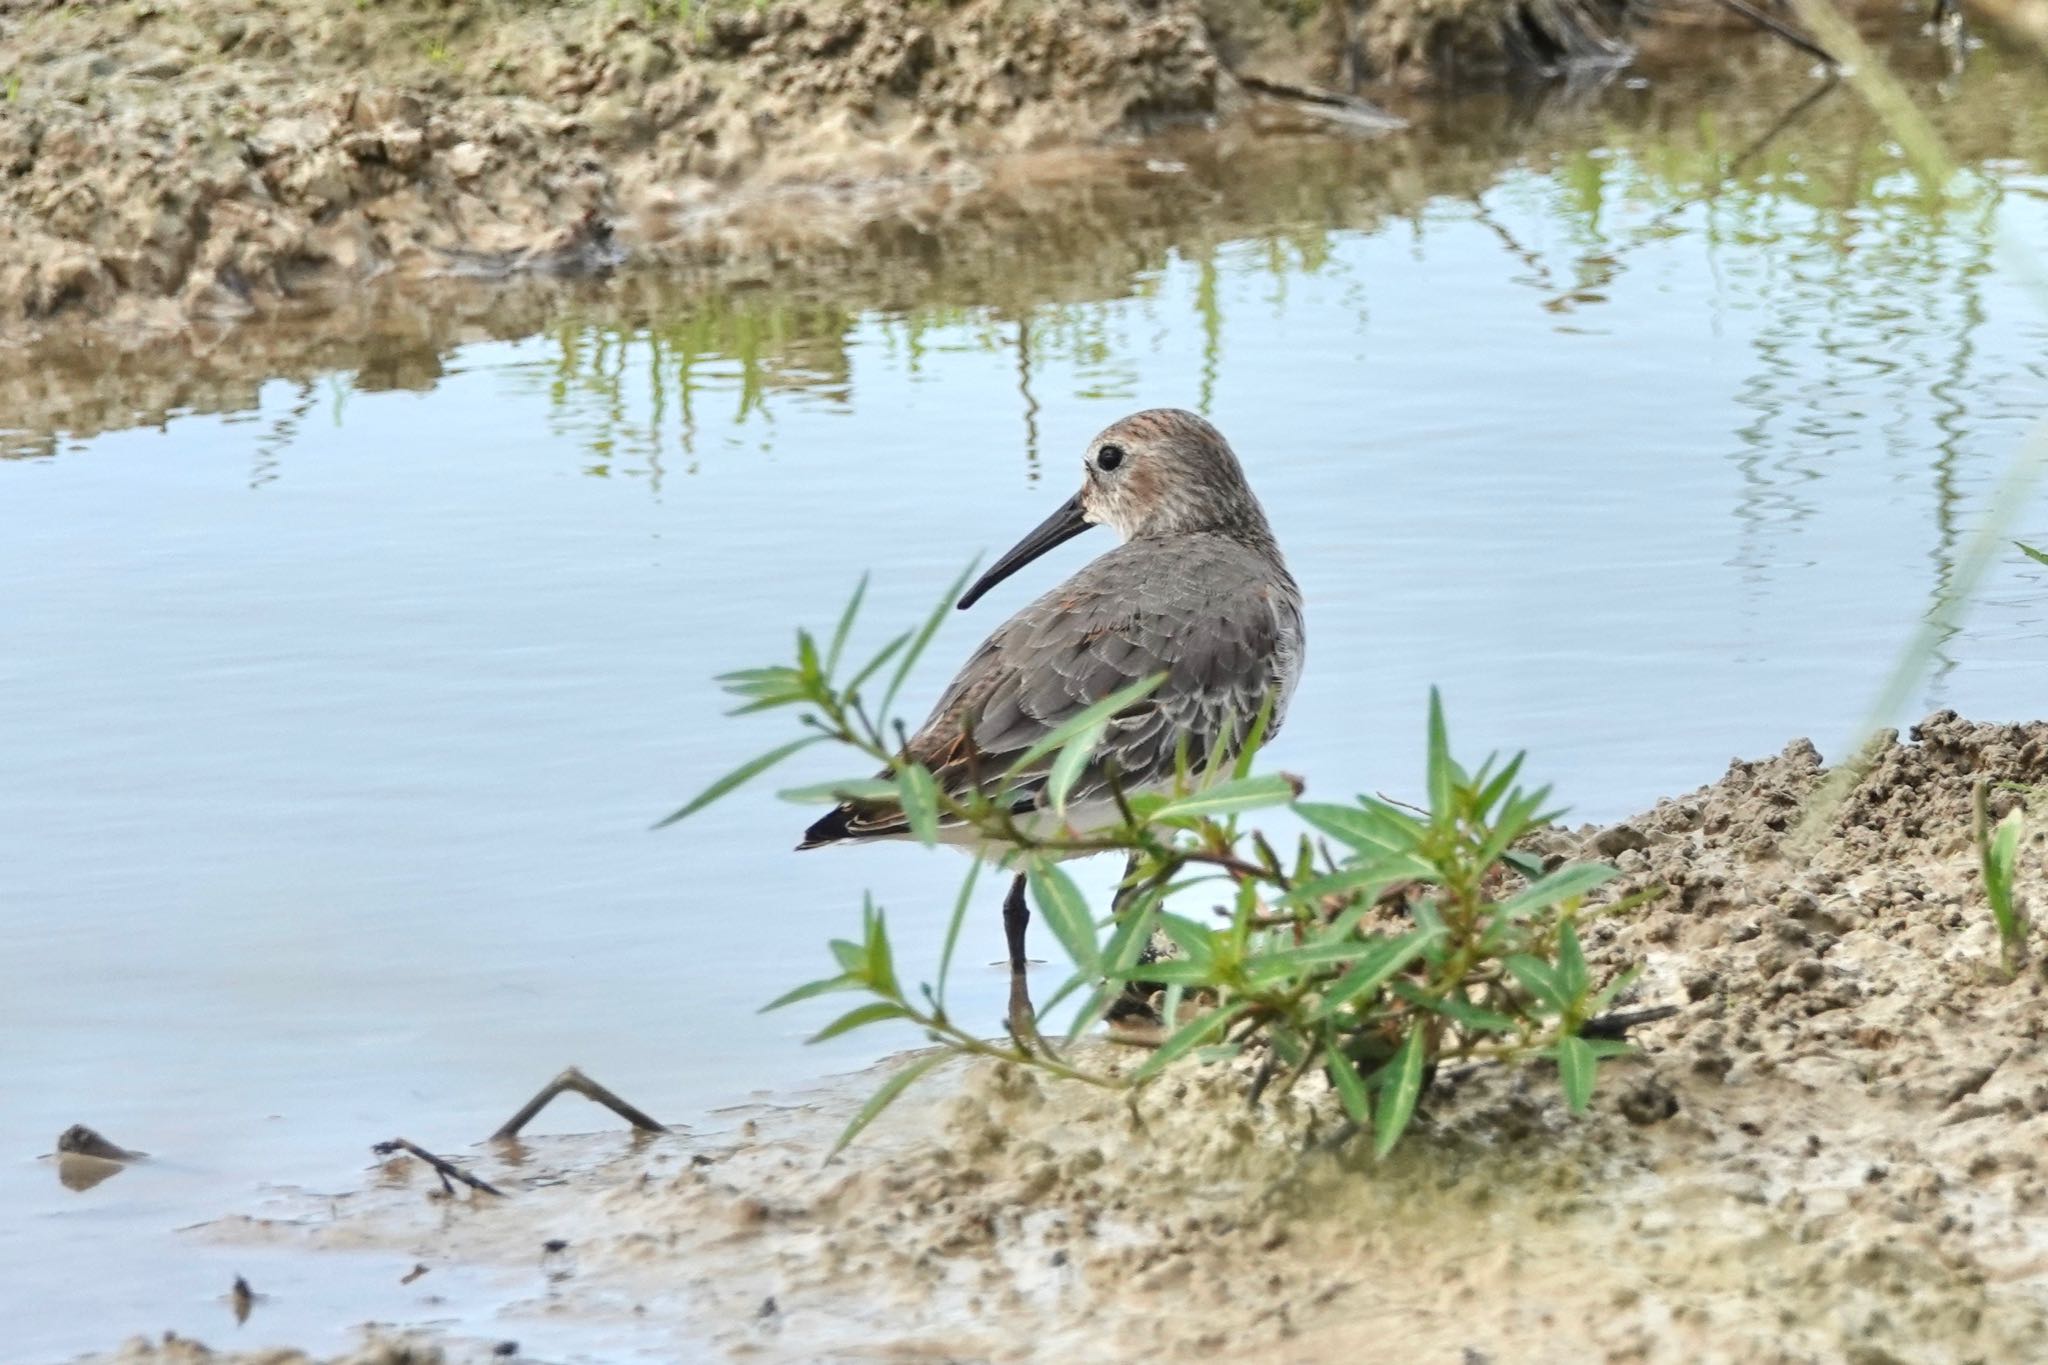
x,y
237,156
240,158
1071,226
1833,1153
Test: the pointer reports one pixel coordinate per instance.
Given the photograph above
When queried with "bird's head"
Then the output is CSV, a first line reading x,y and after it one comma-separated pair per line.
x,y
1158,473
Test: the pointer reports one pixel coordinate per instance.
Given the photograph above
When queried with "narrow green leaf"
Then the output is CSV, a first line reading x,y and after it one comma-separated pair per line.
x,y
1072,762
1492,790
1455,1008
741,676
1099,714
843,982
1572,977
1092,1009
852,958
807,657
1262,723
874,665
2005,844
1365,828
1400,1087
1066,912
859,1017
1441,777
1167,972
1528,864
1367,878
845,626
1599,1003
1375,967
1195,940
2038,556
1577,1068
918,642
846,789
746,772
1538,979
1187,1038
1133,930
1074,982
760,682
960,903
1219,746
919,795
1226,798
883,1097
769,703
1350,1087
881,964
1573,879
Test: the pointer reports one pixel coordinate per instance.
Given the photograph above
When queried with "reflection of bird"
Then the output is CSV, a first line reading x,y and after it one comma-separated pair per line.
x,y
1197,591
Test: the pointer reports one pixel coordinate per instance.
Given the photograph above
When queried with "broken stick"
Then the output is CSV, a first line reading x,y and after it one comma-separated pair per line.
x,y
574,1080
444,1168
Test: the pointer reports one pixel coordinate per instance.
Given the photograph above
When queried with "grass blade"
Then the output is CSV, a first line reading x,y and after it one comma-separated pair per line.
x,y
883,1098
746,772
2038,556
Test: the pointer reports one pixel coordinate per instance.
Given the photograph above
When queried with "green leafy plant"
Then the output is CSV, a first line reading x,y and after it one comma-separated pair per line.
x,y
1998,849
2038,556
1385,943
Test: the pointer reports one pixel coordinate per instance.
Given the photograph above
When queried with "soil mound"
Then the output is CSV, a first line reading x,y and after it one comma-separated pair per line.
x,y
1832,1153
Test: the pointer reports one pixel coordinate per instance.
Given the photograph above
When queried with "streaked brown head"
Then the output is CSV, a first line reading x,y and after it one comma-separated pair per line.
x,y
1158,473
1165,472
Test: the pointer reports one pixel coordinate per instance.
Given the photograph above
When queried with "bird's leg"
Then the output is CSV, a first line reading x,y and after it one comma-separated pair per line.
x,y
1016,918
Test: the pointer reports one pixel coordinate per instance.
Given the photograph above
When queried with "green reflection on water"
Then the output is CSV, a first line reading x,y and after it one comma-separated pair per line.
x,y
1787,193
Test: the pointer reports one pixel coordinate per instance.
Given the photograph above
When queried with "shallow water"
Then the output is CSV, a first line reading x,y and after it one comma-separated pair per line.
x,y
335,721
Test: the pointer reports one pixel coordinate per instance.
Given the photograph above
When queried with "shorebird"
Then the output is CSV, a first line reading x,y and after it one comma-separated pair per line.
x,y
1198,591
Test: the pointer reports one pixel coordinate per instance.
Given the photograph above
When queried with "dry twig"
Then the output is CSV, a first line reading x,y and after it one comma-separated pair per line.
x,y
574,1080
444,1168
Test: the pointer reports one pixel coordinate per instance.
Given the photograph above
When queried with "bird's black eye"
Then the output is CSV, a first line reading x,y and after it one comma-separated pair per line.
x,y
1109,457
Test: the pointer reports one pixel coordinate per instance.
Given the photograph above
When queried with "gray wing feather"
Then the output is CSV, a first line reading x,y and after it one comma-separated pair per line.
x,y
1221,619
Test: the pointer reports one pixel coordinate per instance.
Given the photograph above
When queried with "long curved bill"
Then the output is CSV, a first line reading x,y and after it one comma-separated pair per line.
x,y
1059,528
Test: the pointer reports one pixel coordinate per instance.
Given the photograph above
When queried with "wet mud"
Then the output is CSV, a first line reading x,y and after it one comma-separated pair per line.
x,y
177,165
1833,1152
1066,225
